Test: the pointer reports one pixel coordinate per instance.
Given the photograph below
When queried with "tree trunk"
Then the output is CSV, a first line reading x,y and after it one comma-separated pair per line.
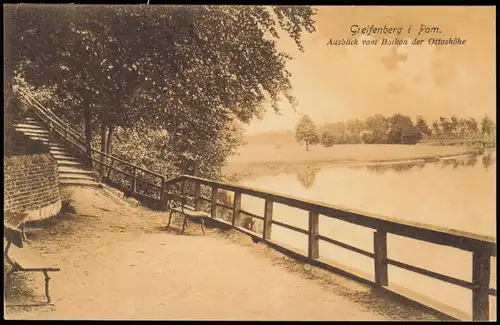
x,y
307,146
87,117
111,130
109,142
102,158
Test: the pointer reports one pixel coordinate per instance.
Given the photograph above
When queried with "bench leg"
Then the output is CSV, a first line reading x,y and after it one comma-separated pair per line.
x,y
47,279
170,218
23,231
184,224
203,225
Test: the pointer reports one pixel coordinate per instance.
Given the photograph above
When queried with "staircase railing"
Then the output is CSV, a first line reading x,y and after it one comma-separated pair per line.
x,y
136,175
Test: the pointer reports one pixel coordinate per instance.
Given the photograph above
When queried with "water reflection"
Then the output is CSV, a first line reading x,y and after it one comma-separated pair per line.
x,y
487,160
453,193
306,177
400,167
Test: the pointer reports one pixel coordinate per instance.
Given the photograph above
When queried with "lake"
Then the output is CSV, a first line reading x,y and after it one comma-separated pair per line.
x,y
453,193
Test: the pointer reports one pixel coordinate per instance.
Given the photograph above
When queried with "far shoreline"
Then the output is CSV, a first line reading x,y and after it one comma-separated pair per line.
x,y
240,170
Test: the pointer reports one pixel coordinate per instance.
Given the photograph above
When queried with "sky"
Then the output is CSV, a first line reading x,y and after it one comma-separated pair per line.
x,y
336,83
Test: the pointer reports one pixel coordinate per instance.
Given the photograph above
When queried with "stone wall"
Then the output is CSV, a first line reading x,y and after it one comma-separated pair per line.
x,y
31,185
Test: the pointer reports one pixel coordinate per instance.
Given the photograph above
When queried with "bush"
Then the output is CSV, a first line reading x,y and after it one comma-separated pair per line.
x,y
66,201
327,139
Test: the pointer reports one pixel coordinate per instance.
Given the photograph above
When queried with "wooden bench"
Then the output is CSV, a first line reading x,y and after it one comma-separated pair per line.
x,y
23,259
178,204
16,220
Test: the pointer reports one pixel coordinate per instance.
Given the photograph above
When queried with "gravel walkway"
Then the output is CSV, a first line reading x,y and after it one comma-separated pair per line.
x,y
119,262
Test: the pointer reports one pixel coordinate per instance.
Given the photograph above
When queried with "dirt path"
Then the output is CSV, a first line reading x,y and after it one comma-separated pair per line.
x,y
119,262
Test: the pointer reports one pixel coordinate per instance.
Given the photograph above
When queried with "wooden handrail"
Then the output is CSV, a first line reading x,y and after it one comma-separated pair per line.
x,y
430,233
44,115
482,247
53,118
40,105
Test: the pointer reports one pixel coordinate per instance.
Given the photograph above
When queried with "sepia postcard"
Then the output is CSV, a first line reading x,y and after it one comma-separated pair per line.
x,y
223,162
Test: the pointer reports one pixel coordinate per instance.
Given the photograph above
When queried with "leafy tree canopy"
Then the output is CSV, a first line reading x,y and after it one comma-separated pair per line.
x,y
306,131
188,70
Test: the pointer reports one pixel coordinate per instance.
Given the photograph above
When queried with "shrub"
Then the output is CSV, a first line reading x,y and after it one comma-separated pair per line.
x,y
66,201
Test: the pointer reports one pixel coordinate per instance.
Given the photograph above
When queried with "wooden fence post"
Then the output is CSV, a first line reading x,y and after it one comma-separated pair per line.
x,y
480,286
89,154
313,249
197,196
184,185
213,210
236,207
110,168
380,258
134,181
268,219
163,188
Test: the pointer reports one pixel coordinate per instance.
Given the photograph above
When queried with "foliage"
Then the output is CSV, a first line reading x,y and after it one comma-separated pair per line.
x,y
402,125
188,70
397,128
327,138
459,128
377,127
355,127
436,128
67,204
305,131
422,126
334,133
487,125
472,125
145,148
446,125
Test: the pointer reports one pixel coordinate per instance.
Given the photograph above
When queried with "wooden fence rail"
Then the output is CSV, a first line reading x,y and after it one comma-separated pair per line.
x,y
482,247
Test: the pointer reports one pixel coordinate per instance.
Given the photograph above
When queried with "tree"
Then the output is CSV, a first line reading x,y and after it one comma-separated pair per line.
x,y
327,138
487,125
305,131
446,126
355,127
422,126
462,127
436,128
188,70
333,133
472,125
454,124
401,125
377,127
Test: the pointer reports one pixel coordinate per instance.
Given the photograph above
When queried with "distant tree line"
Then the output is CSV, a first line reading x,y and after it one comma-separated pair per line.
x,y
395,129
177,80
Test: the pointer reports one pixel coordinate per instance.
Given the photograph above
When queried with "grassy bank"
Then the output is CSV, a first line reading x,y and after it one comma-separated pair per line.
x,y
259,159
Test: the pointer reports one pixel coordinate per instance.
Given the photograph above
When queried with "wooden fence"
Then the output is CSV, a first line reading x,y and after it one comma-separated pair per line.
x,y
155,186
482,247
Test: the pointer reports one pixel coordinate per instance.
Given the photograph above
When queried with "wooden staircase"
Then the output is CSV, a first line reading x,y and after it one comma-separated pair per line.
x,y
72,171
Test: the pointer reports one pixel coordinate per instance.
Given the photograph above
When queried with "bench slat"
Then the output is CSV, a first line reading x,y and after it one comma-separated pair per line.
x,y
13,236
28,260
14,219
191,212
